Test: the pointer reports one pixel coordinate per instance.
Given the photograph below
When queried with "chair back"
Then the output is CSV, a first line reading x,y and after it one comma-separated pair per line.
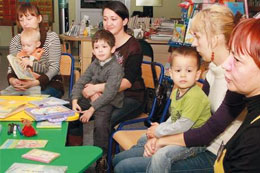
x,y
67,69
147,73
147,49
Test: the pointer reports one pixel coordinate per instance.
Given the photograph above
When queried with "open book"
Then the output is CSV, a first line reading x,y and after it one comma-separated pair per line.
x,y
10,107
20,72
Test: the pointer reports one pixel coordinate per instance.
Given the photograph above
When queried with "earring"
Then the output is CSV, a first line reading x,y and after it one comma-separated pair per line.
x,y
212,56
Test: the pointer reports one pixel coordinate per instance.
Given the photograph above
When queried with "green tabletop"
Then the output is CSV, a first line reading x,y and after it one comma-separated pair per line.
x,y
77,159
55,137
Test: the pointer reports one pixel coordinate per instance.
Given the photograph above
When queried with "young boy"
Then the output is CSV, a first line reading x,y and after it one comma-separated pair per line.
x,y
104,69
190,108
30,40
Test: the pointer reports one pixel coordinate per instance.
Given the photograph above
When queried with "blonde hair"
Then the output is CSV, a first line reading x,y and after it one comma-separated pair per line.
x,y
31,33
217,19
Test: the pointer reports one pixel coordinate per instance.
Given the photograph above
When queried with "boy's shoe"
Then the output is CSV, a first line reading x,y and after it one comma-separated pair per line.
x,y
101,166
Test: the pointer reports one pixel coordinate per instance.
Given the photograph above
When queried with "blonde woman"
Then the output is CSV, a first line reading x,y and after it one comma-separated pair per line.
x,y
211,29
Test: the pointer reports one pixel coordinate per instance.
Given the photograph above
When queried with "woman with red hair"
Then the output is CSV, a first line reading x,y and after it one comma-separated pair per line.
x,y
242,152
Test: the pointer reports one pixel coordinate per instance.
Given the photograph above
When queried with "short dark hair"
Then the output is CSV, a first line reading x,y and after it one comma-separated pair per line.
x,y
119,8
186,51
105,35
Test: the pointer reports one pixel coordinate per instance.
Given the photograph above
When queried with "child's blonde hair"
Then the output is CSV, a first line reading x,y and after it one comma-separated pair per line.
x,y
31,33
217,19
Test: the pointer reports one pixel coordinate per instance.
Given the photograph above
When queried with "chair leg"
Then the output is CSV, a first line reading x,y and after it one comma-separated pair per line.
x,y
110,153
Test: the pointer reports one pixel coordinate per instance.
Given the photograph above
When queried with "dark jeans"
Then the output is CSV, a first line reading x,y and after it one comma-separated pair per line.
x,y
131,109
102,118
52,92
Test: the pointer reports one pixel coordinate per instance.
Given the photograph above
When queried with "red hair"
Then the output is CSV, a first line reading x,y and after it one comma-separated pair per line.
x,y
245,39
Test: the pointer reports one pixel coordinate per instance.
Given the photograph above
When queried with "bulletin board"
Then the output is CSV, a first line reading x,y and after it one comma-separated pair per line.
x,y
8,11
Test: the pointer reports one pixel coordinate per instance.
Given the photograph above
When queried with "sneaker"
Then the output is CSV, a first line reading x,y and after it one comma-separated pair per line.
x,y
101,166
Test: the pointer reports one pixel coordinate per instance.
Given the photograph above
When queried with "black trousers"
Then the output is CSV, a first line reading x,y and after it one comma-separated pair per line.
x,y
102,118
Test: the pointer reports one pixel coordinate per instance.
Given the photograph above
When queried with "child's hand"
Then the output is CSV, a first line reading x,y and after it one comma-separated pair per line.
x,y
151,131
75,106
25,62
87,115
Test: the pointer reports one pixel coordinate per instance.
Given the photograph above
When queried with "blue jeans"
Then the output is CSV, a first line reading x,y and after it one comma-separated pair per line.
x,y
133,161
201,163
131,109
52,92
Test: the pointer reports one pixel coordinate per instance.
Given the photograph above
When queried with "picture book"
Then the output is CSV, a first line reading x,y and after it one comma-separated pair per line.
x,y
20,72
48,125
49,112
236,7
49,101
178,33
41,155
188,36
10,107
21,143
26,167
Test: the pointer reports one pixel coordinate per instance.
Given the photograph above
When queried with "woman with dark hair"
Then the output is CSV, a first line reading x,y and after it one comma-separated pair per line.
x,y
129,54
28,16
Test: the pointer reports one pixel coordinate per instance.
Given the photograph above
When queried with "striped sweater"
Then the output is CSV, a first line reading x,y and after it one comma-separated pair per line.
x,y
49,64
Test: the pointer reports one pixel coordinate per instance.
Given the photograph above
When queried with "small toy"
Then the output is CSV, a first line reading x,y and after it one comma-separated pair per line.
x,y
28,129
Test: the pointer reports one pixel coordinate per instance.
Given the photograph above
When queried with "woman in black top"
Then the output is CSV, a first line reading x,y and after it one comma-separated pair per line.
x,y
242,152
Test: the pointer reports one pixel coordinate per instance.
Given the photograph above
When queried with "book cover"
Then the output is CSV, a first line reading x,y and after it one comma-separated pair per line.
x,y
10,107
48,125
40,155
236,7
26,167
20,143
20,72
49,101
49,112
178,33
188,36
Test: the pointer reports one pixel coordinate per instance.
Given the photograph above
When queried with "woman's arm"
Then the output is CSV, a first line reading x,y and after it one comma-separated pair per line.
x,y
231,107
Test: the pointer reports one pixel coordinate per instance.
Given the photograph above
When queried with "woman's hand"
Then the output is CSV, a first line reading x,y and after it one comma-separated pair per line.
x,y
149,147
29,83
95,96
89,90
16,83
150,133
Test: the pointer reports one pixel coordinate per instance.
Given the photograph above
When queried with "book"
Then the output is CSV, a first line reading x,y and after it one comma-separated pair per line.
x,y
188,36
49,112
236,7
49,101
21,143
40,155
20,72
26,167
178,33
11,107
48,125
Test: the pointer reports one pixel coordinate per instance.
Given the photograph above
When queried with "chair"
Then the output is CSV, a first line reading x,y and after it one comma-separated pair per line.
x,y
149,83
67,69
147,50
